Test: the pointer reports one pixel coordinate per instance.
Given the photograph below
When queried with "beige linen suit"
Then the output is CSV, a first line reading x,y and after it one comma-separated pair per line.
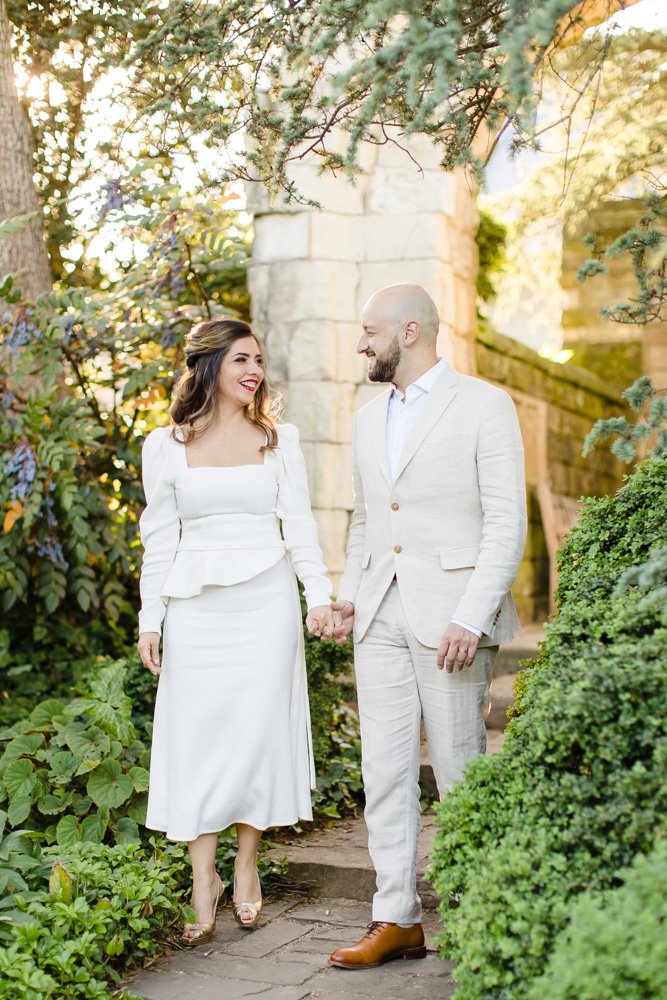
x,y
442,540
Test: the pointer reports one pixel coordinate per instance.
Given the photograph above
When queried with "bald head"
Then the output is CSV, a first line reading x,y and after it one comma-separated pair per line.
x,y
399,305
400,329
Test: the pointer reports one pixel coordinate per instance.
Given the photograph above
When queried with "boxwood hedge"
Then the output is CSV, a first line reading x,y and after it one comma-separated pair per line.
x,y
580,786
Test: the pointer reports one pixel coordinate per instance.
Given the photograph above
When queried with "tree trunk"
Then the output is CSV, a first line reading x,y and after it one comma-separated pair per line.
x,y
23,253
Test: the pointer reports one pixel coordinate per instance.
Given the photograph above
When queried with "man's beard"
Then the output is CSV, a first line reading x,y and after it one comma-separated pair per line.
x,y
386,364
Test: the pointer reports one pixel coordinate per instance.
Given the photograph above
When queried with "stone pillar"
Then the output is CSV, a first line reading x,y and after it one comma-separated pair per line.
x,y
313,270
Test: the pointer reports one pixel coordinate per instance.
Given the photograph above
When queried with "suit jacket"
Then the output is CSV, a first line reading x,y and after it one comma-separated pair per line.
x,y
452,525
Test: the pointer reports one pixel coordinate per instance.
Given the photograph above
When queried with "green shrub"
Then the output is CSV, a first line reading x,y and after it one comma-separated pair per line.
x,y
580,785
615,944
104,910
335,725
77,771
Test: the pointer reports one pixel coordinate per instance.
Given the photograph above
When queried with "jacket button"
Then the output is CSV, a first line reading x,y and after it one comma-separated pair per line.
x,y
394,506
397,548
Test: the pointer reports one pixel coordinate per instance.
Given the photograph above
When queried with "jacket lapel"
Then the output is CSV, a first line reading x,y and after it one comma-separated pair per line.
x,y
439,398
376,431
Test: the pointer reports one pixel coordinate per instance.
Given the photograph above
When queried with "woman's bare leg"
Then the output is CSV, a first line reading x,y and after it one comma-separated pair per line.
x,y
204,876
245,868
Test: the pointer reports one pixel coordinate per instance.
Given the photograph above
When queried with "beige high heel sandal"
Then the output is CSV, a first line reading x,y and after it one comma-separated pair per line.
x,y
247,914
194,934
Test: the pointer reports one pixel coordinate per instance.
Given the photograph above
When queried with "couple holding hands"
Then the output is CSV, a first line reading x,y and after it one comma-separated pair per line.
x,y
435,541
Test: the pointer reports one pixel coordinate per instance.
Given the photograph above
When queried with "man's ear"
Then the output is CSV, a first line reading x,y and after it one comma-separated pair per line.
x,y
411,333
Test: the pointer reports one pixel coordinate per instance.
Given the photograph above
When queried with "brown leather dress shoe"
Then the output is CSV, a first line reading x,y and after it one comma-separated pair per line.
x,y
381,943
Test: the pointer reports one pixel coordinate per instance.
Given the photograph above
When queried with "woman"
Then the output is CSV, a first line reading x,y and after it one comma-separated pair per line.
x,y
231,736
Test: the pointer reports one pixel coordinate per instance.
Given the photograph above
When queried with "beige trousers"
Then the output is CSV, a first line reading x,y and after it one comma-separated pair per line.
x,y
398,684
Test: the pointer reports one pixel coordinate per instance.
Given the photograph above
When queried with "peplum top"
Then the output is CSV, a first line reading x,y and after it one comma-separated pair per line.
x,y
221,525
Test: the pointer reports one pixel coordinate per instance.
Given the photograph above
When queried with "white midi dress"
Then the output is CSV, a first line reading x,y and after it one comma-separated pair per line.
x,y
231,733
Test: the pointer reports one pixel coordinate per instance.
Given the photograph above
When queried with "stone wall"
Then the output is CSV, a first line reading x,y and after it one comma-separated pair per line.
x,y
312,272
557,406
618,352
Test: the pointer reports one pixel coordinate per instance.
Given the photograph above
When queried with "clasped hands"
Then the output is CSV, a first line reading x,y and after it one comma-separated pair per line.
x,y
457,649
331,621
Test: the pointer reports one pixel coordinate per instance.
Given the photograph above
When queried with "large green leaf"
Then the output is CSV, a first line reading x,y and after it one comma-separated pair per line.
x,y
51,805
136,808
139,777
21,746
126,831
20,778
68,831
19,809
94,827
88,742
108,786
63,765
42,716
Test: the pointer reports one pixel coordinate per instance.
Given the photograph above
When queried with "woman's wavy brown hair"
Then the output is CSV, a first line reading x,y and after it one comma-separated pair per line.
x,y
196,394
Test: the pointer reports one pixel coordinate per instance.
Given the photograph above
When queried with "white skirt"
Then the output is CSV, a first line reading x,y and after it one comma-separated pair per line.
x,y
231,734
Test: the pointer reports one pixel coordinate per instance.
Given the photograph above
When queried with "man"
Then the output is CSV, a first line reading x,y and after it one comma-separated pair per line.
x,y
436,538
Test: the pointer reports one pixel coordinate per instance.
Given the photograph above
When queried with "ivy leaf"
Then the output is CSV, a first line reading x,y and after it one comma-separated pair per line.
x,y
108,786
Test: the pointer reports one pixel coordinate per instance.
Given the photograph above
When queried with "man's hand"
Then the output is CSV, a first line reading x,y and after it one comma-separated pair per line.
x,y
149,651
344,617
320,621
457,648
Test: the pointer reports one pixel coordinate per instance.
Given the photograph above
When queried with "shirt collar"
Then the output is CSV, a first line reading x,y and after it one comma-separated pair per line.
x,y
425,382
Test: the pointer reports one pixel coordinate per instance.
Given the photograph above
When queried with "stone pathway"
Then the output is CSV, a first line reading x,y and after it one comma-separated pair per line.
x,y
286,958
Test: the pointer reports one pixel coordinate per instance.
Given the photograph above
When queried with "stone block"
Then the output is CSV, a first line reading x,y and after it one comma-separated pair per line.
x,y
364,393
417,153
267,938
312,350
295,290
350,366
329,474
431,274
336,236
282,236
425,978
409,236
395,189
258,970
333,193
321,410
465,316
333,527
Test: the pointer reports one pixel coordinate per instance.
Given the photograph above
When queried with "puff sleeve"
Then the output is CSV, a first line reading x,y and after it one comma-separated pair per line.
x,y
159,527
298,524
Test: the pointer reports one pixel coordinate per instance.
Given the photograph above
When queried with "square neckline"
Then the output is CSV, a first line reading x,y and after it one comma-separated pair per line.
x,y
194,468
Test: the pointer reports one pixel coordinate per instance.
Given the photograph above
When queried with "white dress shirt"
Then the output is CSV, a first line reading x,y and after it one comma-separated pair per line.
x,y
402,413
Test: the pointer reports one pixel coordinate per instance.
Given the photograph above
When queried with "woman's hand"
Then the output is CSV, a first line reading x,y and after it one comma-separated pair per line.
x,y
320,621
149,651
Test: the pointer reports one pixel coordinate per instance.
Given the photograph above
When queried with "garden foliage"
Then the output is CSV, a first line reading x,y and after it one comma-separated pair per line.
x,y
86,892
580,786
615,943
